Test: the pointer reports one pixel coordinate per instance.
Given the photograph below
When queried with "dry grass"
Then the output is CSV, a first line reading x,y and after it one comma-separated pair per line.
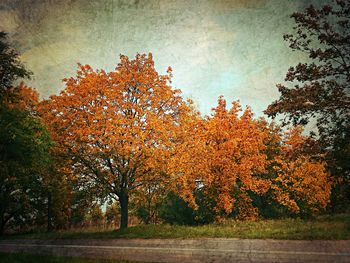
x,y
326,228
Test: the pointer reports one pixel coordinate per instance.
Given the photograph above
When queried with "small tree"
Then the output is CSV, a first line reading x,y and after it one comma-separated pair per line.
x,y
112,213
96,215
148,199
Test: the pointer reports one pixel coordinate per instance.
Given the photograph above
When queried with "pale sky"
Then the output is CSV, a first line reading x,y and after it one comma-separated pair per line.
x,y
233,48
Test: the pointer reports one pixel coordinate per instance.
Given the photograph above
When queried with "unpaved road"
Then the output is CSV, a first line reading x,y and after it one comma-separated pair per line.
x,y
189,250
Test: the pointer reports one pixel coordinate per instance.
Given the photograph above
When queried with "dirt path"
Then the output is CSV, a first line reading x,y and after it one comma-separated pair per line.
x,y
189,250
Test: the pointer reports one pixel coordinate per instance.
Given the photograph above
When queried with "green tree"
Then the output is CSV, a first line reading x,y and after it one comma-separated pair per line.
x,y
24,144
174,210
148,199
58,191
321,86
11,68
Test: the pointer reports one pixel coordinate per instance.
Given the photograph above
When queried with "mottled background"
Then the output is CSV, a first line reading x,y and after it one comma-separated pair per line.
x,y
233,48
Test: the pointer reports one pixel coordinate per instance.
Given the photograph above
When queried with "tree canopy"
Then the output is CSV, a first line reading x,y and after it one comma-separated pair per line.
x,y
119,127
24,142
229,157
11,68
321,84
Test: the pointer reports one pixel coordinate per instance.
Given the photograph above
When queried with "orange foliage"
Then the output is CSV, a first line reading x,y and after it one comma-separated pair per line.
x,y
224,152
22,97
129,129
119,126
229,156
300,179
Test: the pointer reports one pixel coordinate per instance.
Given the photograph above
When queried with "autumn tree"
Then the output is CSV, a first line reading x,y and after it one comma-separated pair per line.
x,y
233,158
222,154
300,182
321,84
119,127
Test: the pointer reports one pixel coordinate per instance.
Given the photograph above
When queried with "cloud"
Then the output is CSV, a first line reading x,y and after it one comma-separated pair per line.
x,y
216,47
9,21
233,5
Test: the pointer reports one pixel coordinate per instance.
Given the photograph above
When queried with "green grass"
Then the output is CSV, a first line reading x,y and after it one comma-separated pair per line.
x,y
326,227
27,258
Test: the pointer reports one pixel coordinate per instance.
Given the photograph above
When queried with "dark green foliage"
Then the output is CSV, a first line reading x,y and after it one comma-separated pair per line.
x,y
143,214
148,210
24,158
270,209
80,204
175,210
59,199
11,68
24,149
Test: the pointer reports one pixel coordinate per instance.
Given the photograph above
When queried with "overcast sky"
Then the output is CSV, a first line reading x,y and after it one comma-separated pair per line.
x,y
233,48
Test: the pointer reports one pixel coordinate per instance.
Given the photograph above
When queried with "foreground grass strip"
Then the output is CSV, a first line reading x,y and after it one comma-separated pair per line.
x,y
275,229
27,258
323,228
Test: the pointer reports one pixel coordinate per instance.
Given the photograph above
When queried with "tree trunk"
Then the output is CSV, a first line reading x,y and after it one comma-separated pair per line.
x,y
49,213
2,218
4,221
124,202
2,227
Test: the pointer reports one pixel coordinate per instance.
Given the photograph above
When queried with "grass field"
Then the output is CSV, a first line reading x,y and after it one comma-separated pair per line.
x,y
326,228
27,258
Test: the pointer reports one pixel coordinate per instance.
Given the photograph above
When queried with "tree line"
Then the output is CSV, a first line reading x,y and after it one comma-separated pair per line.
x,y
128,138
